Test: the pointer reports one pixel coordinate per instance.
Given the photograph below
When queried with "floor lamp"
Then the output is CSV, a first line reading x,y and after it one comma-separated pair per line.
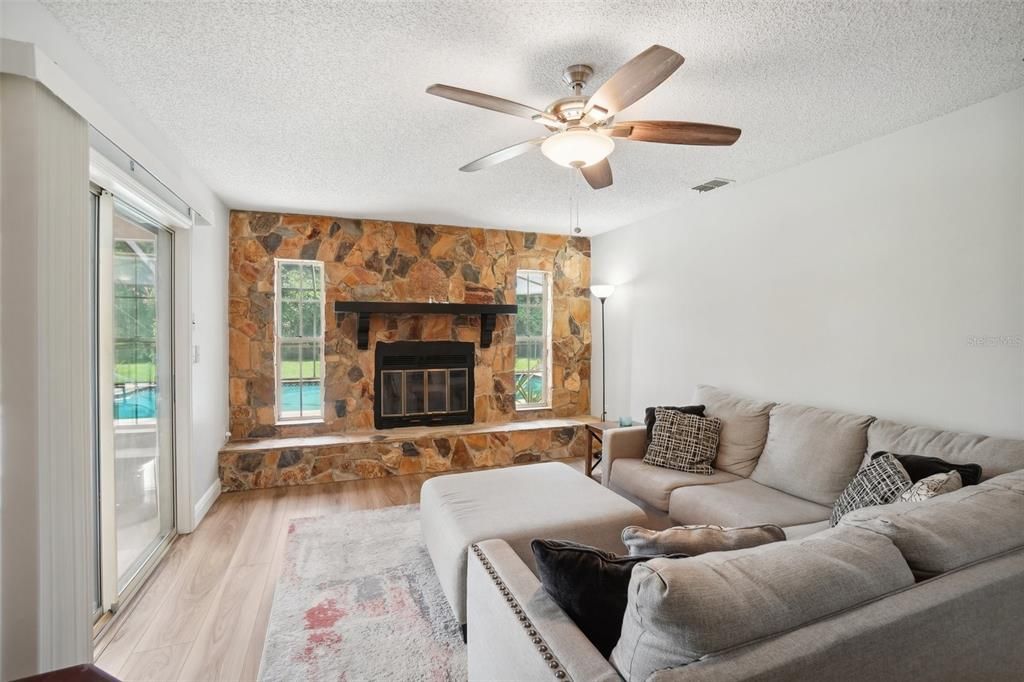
x,y
601,292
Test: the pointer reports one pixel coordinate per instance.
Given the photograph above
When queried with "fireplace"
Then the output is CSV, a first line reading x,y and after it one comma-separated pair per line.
x,y
419,383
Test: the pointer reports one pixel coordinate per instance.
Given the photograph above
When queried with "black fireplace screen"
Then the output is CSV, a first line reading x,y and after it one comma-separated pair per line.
x,y
423,383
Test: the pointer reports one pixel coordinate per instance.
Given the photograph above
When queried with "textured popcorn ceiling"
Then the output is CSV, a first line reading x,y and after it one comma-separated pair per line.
x,y
320,106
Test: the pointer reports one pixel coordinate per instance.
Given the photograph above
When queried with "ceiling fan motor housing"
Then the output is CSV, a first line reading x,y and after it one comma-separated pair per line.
x,y
576,76
567,109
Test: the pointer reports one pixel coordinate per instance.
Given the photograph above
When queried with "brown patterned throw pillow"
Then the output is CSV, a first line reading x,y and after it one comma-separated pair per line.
x,y
683,442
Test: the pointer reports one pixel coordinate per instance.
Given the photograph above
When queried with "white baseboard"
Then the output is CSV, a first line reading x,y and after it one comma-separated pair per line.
x,y
204,503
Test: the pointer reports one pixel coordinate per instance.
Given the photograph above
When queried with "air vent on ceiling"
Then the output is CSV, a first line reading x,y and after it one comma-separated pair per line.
x,y
712,184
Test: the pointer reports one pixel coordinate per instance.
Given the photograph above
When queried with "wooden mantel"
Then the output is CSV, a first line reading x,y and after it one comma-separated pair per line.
x,y
486,311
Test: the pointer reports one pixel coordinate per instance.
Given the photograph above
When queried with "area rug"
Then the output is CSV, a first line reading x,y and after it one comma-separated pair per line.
x,y
358,600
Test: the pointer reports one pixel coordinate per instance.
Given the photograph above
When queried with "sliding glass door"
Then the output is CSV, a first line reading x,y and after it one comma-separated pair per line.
x,y
135,449
142,389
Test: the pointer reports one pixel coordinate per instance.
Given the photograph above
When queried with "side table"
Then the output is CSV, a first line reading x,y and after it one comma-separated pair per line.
x,y
595,431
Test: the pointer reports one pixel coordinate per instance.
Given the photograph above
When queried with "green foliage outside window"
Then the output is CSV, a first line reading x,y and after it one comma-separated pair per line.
x,y
135,311
532,340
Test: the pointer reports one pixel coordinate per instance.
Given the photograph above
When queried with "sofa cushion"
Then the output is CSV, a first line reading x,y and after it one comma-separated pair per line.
x,y
680,610
880,481
810,452
684,442
699,539
805,529
1011,481
995,455
952,530
653,485
741,503
744,428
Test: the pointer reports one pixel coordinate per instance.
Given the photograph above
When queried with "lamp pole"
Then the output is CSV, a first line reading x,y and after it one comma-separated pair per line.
x,y
604,371
601,292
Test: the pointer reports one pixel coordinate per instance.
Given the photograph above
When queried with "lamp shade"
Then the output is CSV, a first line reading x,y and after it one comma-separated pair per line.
x,y
602,291
577,147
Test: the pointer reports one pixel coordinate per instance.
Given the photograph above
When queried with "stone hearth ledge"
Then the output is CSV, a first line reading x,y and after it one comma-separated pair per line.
x,y
273,462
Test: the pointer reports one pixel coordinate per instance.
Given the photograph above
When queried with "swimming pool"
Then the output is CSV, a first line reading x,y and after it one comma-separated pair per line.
x,y
137,403
310,393
141,403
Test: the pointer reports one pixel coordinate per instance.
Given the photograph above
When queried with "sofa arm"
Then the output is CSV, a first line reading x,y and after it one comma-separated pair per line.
x,y
515,631
622,443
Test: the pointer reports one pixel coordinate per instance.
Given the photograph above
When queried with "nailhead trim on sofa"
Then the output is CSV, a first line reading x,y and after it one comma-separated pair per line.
x,y
524,620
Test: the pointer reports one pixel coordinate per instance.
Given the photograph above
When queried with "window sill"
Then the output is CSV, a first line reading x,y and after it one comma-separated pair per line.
x,y
532,408
298,422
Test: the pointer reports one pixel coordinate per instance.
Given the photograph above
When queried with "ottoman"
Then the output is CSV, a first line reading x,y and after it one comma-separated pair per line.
x,y
516,504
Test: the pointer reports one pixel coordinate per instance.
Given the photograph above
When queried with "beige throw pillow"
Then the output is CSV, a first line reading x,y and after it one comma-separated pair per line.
x,y
933,485
683,442
694,540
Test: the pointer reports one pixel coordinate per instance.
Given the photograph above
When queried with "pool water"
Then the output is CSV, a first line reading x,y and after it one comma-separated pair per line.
x,y
310,393
139,403
531,391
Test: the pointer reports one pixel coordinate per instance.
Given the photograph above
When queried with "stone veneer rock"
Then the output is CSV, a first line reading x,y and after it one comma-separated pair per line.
x,y
300,464
370,260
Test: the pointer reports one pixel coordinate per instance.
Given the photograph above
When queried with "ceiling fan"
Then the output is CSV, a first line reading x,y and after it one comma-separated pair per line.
x,y
582,128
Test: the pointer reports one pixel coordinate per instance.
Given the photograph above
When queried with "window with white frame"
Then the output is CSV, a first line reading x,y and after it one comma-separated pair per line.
x,y
533,339
300,340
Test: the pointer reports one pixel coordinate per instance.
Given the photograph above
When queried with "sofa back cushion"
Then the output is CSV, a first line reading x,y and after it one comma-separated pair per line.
x,y
679,610
744,428
949,531
810,452
995,455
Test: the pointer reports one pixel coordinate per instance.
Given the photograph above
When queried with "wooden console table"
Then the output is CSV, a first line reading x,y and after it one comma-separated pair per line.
x,y
595,431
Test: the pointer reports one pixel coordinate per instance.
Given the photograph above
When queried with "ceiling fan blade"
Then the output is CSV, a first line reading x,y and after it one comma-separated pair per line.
x,y
598,175
676,132
634,79
615,131
494,158
504,106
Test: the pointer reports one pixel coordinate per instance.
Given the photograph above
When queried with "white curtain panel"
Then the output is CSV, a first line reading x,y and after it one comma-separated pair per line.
x,y
45,383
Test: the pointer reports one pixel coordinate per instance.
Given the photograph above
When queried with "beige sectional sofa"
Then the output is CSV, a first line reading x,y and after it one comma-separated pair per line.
x,y
780,463
927,590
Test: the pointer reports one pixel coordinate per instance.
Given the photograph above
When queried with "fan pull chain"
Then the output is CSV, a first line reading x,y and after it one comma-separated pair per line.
x,y
574,204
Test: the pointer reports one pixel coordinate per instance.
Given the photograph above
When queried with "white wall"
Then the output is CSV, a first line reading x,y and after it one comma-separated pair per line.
x,y
84,85
210,373
857,281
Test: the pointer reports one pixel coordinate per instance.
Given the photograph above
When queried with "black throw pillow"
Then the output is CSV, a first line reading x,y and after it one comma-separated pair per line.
x,y
590,585
649,418
919,466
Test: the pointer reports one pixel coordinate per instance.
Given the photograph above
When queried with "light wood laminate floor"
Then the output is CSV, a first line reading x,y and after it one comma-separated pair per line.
x,y
203,613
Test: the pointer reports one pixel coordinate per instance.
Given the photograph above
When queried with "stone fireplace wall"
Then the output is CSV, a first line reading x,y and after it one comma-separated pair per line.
x,y
369,260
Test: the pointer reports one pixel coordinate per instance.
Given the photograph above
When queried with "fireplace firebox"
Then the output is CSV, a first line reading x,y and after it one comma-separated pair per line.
x,y
419,383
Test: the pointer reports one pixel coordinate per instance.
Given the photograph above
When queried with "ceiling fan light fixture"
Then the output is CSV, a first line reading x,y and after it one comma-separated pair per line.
x,y
577,148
